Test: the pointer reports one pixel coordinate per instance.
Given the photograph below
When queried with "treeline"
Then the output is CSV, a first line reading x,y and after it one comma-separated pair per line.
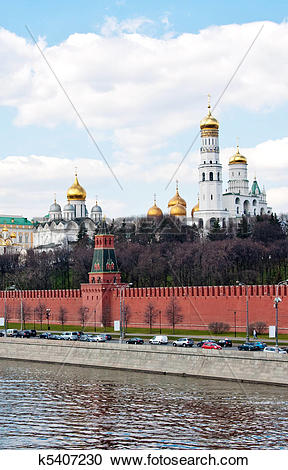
x,y
163,254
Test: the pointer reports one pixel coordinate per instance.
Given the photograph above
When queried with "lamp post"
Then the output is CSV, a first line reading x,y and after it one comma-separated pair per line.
x,y
122,312
94,320
276,302
247,311
235,324
48,310
160,322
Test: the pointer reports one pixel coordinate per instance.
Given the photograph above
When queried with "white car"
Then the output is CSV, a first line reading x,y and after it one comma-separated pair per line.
x,y
69,336
100,338
159,340
272,349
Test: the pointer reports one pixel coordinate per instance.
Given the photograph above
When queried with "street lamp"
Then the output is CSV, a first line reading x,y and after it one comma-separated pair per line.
x,y
276,302
14,288
247,316
48,310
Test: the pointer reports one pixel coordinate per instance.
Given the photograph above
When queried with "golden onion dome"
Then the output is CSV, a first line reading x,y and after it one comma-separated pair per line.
x,y
209,122
177,199
195,209
154,211
237,158
13,235
178,210
76,192
4,229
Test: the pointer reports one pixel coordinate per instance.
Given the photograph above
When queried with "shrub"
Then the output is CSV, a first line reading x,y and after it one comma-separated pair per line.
x,y
218,327
259,326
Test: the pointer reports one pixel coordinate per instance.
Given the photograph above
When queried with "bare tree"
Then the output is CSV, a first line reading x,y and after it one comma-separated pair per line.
x,y
218,327
173,313
83,313
127,314
62,316
150,315
106,316
40,311
24,312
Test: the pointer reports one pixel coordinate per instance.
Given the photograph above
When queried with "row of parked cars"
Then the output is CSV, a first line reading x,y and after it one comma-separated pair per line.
x,y
67,335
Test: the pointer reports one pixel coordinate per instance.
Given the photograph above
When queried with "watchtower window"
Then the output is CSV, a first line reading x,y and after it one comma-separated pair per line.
x,y
211,176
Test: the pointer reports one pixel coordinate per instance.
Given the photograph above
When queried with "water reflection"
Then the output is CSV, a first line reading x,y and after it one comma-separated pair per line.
x,y
95,408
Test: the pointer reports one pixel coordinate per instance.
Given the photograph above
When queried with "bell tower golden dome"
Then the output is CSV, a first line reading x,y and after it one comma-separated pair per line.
x,y
237,158
209,125
76,192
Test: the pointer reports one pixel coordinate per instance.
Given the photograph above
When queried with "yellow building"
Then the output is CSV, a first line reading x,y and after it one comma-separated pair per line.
x,y
16,230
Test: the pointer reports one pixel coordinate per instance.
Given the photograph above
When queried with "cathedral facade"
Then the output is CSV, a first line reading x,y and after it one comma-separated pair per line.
x,y
61,227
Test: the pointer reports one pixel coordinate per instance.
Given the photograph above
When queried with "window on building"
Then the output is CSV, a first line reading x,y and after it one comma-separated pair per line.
x,y
211,197
211,162
218,176
20,237
203,176
211,176
26,238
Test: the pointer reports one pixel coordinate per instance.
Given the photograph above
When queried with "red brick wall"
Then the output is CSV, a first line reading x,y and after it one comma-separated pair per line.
x,y
199,305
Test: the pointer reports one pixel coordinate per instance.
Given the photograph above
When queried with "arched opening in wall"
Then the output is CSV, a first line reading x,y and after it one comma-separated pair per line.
x,y
200,223
93,280
211,162
218,176
237,210
254,211
237,200
254,203
203,176
211,176
223,223
246,207
262,211
211,197
212,222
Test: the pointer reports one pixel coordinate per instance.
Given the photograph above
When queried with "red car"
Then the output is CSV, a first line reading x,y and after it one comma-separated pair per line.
x,y
211,346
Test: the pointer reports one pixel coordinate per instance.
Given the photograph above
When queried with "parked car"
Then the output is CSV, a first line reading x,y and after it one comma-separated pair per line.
x,y
2,333
54,336
135,341
33,333
23,334
159,339
84,338
200,344
225,343
70,336
260,344
11,332
273,349
100,338
211,346
249,347
45,335
184,342
107,336
92,338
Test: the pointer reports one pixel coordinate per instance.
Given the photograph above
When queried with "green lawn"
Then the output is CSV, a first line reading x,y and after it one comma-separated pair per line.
x,y
144,332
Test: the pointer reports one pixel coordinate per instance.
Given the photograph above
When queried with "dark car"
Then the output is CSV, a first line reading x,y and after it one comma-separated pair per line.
x,y
225,343
23,334
135,341
200,344
248,347
107,337
45,335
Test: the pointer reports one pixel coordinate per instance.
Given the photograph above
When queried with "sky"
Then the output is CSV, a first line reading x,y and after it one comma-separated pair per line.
x,y
137,75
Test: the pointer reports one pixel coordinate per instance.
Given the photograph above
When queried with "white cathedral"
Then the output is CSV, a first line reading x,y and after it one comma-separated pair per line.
x,y
59,227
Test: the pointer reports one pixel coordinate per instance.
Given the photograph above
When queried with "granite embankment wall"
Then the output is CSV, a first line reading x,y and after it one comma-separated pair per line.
x,y
255,367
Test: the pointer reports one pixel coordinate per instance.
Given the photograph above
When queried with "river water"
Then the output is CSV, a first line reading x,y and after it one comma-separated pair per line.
x,y
48,406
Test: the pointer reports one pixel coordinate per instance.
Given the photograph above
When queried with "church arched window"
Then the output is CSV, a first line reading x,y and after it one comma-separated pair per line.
x,y
211,176
218,176
203,176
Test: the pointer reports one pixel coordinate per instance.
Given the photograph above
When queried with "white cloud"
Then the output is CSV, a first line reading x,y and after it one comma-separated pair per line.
x,y
139,92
